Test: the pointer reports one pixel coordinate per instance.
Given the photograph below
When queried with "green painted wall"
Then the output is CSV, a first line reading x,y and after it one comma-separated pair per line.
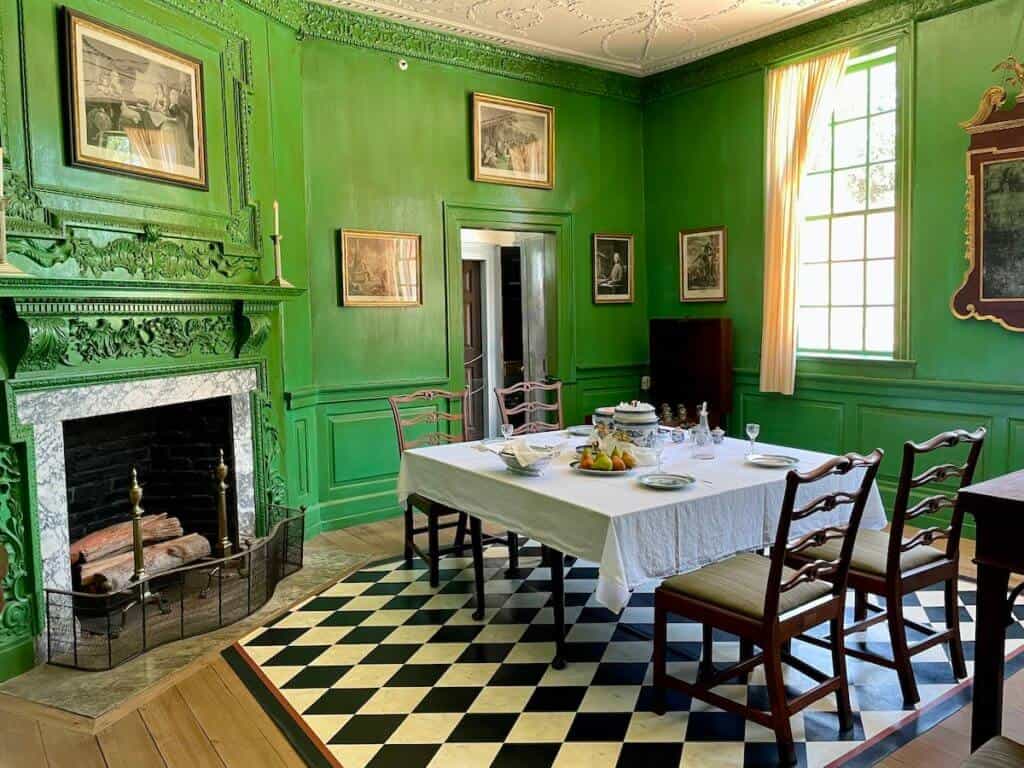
x,y
387,149
704,152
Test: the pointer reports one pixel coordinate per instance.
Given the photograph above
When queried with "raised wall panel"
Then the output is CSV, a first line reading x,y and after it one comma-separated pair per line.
x,y
812,424
362,446
302,455
1015,454
888,428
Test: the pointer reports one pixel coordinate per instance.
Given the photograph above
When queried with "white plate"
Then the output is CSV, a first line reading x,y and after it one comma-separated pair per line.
x,y
772,460
665,481
575,465
583,430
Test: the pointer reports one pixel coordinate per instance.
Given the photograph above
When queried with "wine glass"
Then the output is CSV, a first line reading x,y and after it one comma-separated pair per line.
x,y
658,446
753,430
506,431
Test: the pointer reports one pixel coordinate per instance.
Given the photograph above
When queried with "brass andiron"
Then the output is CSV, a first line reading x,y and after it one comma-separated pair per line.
x,y
223,540
135,496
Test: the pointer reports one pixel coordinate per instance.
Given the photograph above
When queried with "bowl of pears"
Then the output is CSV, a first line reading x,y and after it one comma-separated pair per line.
x,y
594,461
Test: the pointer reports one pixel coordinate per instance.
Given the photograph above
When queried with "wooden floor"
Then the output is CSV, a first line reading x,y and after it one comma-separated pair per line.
x,y
210,719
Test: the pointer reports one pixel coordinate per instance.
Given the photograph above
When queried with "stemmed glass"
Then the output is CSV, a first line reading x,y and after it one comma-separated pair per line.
x,y
753,430
658,446
506,431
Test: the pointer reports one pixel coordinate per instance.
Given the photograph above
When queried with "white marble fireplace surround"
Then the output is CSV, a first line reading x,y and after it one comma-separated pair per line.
x,y
46,411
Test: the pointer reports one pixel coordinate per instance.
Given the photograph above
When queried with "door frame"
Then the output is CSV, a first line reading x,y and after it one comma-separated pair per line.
x,y
481,216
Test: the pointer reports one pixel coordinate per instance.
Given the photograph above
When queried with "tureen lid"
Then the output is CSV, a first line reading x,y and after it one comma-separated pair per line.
x,y
605,410
634,406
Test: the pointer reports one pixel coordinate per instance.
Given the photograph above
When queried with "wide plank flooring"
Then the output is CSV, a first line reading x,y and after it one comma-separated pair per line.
x,y
209,720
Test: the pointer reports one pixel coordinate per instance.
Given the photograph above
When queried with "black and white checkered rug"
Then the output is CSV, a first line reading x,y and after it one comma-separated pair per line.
x,y
381,670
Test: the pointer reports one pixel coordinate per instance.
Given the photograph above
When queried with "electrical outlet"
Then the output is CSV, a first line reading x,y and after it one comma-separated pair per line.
x,y
645,382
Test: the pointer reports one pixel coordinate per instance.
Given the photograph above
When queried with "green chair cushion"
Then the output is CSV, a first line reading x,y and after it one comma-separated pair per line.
x,y
997,752
738,584
870,552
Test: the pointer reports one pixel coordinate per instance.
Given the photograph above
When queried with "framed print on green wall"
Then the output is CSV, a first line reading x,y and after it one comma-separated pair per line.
x,y
136,107
513,142
381,269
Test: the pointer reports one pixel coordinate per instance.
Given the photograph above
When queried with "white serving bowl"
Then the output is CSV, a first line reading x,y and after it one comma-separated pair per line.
x,y
536,469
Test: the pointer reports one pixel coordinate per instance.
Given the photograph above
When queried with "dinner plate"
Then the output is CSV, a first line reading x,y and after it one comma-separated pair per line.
x,y
665,481
583,430
575,465
772,460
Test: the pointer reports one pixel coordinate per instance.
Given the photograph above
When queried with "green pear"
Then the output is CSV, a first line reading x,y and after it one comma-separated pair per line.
x,y
603,462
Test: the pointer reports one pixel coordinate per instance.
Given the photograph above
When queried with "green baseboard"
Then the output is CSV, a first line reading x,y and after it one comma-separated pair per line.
x,y
17,657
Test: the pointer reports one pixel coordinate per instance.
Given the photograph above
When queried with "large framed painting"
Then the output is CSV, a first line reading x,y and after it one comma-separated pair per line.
x,y
380,269
613,269
513,142
993,285
702,264
136,107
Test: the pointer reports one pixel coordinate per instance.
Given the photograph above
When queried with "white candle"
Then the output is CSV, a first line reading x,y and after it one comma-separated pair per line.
x,y
277,218
1,171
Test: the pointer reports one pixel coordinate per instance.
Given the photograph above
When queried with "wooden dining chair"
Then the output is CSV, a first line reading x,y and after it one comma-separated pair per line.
x,y
767,604
519,400
436,410
543,414
890,565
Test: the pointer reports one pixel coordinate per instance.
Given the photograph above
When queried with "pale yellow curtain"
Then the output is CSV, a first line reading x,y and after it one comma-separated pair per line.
x,y
800,96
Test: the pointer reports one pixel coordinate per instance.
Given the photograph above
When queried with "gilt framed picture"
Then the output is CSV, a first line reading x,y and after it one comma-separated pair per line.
x,y
136,107
613,269
702,264
513,142
380,269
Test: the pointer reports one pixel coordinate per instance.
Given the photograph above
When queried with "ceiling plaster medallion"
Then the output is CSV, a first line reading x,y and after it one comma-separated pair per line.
x,y
628,36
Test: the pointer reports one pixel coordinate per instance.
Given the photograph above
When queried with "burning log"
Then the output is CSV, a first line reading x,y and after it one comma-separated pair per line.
x,y
114,573
117,538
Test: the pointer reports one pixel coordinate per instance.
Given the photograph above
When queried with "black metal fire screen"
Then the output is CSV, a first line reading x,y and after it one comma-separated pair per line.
x,y
100,631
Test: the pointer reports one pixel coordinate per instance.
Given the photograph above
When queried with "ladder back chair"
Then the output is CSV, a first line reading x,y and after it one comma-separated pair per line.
x,y
538,415
454,432
767,604
891,565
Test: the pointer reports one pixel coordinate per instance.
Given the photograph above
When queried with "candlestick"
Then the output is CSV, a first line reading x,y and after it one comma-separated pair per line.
x,y
278,280
6,268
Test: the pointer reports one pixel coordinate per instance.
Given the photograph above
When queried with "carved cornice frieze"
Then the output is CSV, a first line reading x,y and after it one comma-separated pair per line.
x,y
69,334
146,257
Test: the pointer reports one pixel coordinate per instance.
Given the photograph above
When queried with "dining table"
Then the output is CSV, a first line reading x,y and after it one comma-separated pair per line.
x,y
634,533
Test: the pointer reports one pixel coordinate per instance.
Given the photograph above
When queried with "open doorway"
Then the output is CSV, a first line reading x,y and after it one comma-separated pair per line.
x,y
508,291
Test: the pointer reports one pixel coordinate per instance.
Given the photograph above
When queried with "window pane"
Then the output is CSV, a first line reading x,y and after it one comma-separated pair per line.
x,y
882,235
812,328
821,150
883,87
847,283
847,326
851,190
853,96
883,185
852,144
815,195
883,137
881,278
814,240
813,286
847,238
880,330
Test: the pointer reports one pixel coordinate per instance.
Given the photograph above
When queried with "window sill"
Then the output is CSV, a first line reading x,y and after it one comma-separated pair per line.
x,y
886,367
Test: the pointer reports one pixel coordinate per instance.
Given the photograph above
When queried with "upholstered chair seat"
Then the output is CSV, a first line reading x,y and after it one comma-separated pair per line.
x,y
870,553
738,584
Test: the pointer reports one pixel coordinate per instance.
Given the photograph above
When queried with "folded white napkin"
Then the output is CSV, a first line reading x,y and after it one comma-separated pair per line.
x,y
527,455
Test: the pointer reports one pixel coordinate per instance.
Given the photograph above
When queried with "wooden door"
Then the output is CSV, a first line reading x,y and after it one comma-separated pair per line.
x,y
473,346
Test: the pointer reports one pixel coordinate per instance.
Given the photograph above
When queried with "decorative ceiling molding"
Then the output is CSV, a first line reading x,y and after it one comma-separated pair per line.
x,y
617,35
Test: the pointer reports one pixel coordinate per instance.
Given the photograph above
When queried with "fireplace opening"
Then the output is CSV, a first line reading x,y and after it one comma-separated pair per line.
x,y
174,449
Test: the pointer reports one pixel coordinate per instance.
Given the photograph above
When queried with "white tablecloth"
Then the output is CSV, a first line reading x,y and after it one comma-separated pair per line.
x,y
634,533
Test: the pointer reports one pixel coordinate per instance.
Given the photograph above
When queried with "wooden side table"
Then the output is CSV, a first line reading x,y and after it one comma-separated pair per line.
x,y
998,509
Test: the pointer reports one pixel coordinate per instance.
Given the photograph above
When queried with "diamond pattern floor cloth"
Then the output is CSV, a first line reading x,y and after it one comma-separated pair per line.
x,y
382,670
